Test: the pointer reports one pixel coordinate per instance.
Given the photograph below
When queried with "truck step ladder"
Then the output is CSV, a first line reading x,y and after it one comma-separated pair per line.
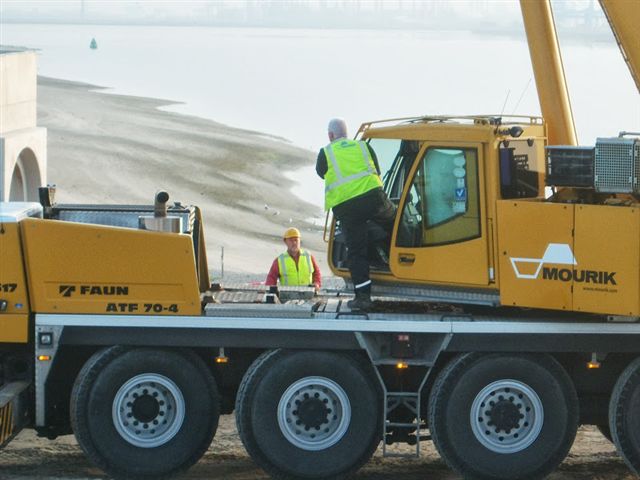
x,y
406,404
410,402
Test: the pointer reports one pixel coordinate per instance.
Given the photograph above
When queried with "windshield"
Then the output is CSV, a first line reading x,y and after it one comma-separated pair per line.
x,y
386,151
395,157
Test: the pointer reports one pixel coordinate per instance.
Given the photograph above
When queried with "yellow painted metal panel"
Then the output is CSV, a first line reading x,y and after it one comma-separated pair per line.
x,y
548,71
461,264
624,18
535,241
14,328
13,288
450,131
607,274
79,268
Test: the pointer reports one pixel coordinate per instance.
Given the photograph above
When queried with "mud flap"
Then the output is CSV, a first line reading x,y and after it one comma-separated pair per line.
x,y
14,412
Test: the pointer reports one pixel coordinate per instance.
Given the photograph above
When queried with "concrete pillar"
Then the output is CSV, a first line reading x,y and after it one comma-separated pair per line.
x,y
23,145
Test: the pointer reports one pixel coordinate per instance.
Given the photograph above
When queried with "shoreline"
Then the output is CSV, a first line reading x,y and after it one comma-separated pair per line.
x,y
121,149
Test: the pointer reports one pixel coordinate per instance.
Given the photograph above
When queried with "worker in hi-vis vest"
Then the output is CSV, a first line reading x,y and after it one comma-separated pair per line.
x,y
295,267
353,190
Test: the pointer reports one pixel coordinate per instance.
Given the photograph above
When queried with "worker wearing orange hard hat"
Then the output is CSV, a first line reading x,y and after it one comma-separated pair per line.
x,y
295,267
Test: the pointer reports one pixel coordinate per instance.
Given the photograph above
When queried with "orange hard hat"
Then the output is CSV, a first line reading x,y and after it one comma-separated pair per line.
x,y
291,233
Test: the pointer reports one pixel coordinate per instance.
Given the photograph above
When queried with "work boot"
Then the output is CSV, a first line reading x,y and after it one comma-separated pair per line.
x,y
361,303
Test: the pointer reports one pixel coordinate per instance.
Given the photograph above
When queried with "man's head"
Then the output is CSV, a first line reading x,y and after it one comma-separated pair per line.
x,y
292,239
337,129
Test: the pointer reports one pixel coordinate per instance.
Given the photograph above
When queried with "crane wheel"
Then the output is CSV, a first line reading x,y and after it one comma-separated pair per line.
x,y
503,416
605,431
624,415
308,414
144,413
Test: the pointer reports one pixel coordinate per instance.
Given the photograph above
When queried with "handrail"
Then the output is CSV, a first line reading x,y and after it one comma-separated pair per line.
x,y
325,239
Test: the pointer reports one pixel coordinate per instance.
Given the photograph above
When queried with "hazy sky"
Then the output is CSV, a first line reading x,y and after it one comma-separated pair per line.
x,y
441,14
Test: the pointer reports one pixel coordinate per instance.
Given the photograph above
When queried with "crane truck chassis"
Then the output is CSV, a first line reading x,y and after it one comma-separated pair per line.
x,y
112,330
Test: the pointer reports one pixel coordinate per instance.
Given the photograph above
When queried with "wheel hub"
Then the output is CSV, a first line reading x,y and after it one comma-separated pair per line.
x,y
506,416
148,410
145,408
314,413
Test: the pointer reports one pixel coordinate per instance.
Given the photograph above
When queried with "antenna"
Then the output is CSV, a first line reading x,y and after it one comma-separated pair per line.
x,y
505,102
526,87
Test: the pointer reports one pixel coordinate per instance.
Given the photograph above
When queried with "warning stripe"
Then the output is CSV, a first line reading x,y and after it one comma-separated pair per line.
x,y
6,422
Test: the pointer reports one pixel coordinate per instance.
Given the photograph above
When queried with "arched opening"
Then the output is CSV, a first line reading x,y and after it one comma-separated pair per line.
x,y
25,179
16,191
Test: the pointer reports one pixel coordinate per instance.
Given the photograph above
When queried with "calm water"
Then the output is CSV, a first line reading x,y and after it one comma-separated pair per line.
x,y
289,82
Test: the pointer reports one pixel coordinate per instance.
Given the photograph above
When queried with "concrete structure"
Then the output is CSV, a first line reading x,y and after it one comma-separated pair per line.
x,y
23,145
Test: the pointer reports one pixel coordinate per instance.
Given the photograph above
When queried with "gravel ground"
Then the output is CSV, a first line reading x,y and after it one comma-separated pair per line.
x,y
31,458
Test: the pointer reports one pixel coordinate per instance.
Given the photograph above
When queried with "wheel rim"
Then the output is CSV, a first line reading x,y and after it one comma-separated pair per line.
x,y
507,416
148,410
314,413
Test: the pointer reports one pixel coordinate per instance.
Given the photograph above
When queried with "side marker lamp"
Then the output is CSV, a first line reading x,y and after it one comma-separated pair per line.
x,y
44,358
593,363
221,358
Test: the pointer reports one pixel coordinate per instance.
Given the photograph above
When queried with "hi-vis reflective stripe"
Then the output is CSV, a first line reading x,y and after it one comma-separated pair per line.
x,y
342,180
363,284
283,268
308,257
6,422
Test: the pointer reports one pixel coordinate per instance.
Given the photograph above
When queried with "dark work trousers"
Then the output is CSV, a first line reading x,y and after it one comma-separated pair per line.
x,y
353,215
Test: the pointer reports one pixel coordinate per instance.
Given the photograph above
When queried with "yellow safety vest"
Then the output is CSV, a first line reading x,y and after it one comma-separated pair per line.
x,y
292,275
350,171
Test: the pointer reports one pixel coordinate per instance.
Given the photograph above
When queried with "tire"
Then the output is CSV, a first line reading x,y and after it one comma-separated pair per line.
x,y
283,388
605,431
164,430
535,405
624,415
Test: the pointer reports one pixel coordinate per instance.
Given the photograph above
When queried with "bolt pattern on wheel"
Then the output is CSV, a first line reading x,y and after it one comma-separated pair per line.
x,y
506,416
148,410
314,413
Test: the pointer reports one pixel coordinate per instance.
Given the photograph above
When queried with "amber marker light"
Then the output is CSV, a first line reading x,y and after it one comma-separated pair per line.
x,y
221,358
44,358
593,363
401,366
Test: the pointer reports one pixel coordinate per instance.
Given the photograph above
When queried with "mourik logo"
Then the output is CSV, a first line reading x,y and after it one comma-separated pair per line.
x,y
559,254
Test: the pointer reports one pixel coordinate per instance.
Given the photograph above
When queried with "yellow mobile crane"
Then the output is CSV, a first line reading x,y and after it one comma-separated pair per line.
x,y
518,319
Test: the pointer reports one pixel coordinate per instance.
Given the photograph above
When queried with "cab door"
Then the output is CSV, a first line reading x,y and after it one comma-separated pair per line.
x,y
440,234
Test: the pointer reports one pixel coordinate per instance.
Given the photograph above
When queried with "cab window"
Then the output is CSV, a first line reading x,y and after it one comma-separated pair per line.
x,y
395,157
443,204
386,150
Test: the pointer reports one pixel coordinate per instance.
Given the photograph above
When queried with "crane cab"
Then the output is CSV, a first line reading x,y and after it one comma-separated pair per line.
x,y
487,214
444,174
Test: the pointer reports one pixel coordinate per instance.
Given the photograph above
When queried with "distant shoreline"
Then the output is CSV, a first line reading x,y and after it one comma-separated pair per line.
x,y
581,32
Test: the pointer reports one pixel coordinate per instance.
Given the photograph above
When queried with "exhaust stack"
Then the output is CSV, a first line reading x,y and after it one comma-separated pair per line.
x,y
161,221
